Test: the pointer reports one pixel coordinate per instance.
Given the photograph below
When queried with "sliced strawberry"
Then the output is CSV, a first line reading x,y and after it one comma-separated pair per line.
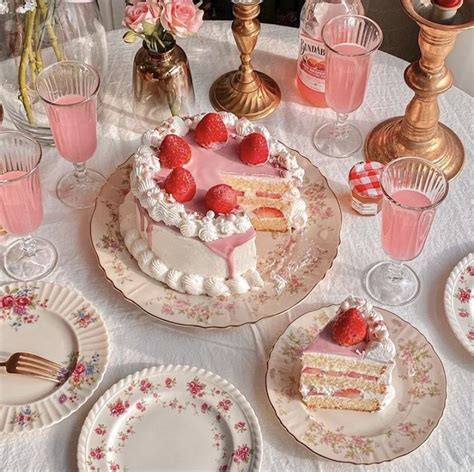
x,y
221,198
268,212
348,393
254,149
349,328
211,132
174,152
180,183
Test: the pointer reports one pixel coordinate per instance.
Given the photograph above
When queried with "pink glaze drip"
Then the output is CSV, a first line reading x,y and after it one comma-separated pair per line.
x,y
325,344
209,165
223,247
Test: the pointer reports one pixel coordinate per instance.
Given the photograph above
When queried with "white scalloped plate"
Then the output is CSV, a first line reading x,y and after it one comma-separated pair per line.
x,y
173,418
404,425
459,302
306,259
59,324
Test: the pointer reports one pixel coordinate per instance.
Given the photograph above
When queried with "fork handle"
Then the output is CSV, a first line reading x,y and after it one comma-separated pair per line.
x,y
3,364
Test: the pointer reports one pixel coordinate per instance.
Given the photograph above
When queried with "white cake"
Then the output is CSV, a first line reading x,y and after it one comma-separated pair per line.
x,y
194,250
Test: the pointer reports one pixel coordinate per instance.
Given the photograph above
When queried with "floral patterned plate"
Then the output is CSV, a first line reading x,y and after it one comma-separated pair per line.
x,y
299,261
359,437
172,418
59,324
459,302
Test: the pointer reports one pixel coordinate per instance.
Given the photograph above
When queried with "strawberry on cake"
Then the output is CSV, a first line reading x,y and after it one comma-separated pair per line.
x,y
200,189
349,364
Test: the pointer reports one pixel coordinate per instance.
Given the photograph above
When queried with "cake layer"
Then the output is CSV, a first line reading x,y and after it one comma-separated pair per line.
x,y
332,384
339,403
186,264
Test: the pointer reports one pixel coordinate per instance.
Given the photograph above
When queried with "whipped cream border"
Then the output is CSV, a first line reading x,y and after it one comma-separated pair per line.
x,y
193,284
163,207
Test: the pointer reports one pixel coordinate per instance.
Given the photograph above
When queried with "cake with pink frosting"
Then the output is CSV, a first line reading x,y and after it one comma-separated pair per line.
x,y
201,188
349,364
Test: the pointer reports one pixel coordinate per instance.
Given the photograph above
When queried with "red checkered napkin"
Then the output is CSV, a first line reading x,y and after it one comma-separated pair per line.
x,y
364,178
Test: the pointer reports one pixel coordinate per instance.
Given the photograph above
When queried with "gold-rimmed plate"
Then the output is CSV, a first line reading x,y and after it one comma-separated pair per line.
x,y
302,260
404,425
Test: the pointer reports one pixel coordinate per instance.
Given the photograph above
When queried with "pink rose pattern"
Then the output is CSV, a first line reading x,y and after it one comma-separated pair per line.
x,y
133,397
17,306
25,418
463,296
84,318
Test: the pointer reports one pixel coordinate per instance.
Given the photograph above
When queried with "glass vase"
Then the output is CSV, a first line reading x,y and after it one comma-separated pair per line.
x,y
35,35
162,85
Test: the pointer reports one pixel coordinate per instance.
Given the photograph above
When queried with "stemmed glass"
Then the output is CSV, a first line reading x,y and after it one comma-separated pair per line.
x,y
21,208
350,41
69,92
412,189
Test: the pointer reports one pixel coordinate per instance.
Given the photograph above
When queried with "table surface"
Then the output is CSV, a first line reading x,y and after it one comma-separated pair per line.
x,y
240,354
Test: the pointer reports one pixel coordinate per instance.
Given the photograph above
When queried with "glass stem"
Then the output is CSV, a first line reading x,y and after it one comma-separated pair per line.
x,y
394,272
28,246
80,172
341,125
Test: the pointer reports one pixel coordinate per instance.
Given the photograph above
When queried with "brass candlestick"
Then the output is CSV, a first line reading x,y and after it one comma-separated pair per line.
x,y
419,132
246,92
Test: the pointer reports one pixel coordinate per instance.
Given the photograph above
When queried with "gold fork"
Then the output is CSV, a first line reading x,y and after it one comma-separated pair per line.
x,y
26,363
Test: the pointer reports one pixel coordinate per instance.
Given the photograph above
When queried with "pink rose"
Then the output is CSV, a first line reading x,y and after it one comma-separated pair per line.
x,y
79,369
181,17
135,15
23,301
7,301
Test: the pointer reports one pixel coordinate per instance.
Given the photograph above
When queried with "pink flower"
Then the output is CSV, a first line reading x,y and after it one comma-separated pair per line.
x,y
7,301
239,425
464,295
223,468
169,382
195,388
97,453
100,430
470,335
136,15
62,398
241,454
463,313
23,301
470,270
224,405
113,467
204,407
79,369
181,17
118,408
140,406
145,385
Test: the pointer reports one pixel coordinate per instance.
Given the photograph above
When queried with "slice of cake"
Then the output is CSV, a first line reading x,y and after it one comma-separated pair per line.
x,y
200,189
349,364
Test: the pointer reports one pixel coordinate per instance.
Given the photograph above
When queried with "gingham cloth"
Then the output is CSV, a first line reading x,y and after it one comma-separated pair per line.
x,y
364,178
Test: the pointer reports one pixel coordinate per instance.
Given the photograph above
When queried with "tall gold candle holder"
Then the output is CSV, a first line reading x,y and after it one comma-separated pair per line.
x,y
419,133
246,92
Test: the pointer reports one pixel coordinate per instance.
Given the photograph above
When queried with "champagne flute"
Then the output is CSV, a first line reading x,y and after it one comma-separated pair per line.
x,y
350,41
69,91
21,208
412,189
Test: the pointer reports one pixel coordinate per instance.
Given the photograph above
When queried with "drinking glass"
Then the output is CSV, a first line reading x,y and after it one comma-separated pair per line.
x,y
21,208
350,41
412,189
69,92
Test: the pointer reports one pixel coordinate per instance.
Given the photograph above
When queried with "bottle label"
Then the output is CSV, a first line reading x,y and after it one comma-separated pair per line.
x,y
312,63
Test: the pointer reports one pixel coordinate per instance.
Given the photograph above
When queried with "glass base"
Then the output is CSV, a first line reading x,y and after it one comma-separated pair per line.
x,y
80,193
32,264
333,142
392,284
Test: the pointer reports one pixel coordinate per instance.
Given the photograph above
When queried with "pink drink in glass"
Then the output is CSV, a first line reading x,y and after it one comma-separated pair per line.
x,y
348,69
74,127
21,208
404,230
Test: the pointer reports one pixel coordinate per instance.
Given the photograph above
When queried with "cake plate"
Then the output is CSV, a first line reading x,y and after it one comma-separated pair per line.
x,y
356,437
291,264
459,302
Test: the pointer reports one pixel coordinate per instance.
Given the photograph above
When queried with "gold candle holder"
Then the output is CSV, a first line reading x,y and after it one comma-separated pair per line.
x,y
246,92
419,133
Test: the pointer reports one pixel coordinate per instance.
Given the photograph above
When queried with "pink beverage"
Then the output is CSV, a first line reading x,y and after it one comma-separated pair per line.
x,y
348,74
74,127
21,204
404,230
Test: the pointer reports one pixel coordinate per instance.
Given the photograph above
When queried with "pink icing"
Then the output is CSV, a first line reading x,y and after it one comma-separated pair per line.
x,y
224,247
325,344
209,165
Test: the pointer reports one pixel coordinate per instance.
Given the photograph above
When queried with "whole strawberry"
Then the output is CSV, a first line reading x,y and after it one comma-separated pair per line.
x,y
174,152
180,183
211,132
221,198
254,149
349,328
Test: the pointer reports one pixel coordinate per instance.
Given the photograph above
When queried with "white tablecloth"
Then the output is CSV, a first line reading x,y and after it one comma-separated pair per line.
x,y
240,355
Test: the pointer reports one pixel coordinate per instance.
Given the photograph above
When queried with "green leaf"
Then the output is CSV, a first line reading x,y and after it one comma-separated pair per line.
x,y
130,37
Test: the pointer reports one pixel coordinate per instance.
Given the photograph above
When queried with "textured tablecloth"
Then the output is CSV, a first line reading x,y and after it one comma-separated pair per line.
x,y
240,355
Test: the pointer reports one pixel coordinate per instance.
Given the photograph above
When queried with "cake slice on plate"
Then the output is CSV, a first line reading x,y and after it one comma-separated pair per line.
x,y
349,364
